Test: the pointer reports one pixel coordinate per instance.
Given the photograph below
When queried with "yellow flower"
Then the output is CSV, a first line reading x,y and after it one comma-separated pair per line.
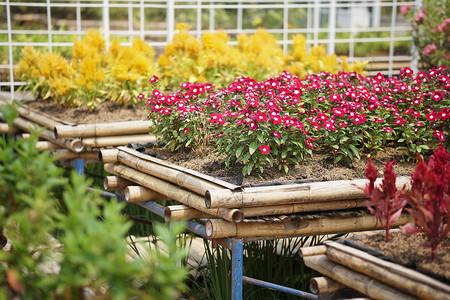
x,y
95,40
299,46
318,51
87,67
141,46
79,49
183,26
99,75
163,61
114,49
330,63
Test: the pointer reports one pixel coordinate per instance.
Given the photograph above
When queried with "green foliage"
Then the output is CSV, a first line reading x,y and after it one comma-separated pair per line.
x,y
93,258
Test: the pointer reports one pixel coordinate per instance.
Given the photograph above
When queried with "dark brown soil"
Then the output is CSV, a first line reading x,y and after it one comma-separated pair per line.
x,y
407,250
103,113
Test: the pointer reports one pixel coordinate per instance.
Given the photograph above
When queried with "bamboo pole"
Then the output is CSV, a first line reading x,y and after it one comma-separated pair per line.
x,y
108,156
293,193
75,145
312,250
324,285
119,140
397,276
183,212
112,183
172,191
302,207
134,193
4,128
217,228
67,154
38,117
102,129
362,283
150,165
46,145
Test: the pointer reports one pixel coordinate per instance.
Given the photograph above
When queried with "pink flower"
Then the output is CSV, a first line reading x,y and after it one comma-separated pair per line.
x,y
444,26
428,49
405,9
260,116
387,129
141,96
309,144
420,16
264,149
186,130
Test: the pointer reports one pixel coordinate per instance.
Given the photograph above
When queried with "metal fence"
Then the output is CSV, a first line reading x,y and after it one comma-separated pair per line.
x,y
372,30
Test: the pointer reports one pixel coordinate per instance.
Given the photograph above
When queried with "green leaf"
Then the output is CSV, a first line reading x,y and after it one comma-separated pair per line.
x,y
354,150
246,157
253,147
238,151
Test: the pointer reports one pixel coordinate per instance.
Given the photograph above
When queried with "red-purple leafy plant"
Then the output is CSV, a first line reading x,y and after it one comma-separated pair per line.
x,y
429,199
387,205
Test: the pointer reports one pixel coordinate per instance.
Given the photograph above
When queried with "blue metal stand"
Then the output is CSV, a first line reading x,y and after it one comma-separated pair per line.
x,y
79,165
237,265
277,287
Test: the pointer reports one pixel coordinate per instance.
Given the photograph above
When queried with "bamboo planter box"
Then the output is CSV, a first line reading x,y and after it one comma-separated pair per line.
x,y
70,141
228,210
370,275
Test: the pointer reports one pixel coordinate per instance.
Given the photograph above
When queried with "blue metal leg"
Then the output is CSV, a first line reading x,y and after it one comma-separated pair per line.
x,y
237,265
79,164
280,288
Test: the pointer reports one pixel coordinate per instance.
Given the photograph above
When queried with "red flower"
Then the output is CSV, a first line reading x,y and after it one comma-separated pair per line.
x,y
322,117
398,121
141,96
309,144
387,129
154,79
276,134
431,116
260,116
439,134
217,118
253,126
264,149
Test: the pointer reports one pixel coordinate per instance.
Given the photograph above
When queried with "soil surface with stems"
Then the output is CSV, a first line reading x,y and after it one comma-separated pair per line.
x,y
403,248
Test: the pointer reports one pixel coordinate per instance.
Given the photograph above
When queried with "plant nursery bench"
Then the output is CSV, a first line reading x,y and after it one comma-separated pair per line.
x,y
232,215
214,209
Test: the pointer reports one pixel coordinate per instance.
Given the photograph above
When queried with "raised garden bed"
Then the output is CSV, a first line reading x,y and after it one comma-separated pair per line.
x,y
376,275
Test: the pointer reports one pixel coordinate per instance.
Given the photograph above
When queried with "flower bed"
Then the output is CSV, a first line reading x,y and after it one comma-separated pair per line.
x,y
281,120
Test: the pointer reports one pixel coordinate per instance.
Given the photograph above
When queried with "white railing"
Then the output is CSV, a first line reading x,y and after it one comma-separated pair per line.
x,y
330,23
